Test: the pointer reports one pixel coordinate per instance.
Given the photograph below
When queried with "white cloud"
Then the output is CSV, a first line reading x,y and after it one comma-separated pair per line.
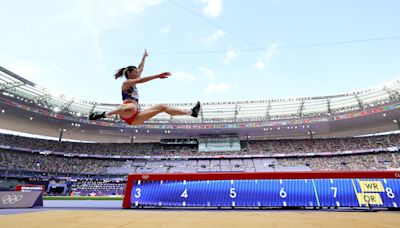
x,y
208,73
183,76
259,65
216,88
266,57
230,55
212,8
271,51
216,35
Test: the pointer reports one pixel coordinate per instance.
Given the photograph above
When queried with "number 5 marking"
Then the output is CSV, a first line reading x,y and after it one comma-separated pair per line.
x,y
232,193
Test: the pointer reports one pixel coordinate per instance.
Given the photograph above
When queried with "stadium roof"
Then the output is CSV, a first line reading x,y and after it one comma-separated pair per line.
x,y
256,110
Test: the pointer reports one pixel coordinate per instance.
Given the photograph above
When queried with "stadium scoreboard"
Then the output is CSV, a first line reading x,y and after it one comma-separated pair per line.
x,y
377,189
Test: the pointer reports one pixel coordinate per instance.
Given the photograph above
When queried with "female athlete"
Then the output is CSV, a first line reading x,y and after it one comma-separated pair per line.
x,y
129,111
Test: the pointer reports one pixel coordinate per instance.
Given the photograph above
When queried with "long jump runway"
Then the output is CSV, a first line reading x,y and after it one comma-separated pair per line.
x,y
89,217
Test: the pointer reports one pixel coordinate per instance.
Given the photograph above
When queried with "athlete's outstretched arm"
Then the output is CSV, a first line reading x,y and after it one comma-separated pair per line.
x,y
131,82
141,65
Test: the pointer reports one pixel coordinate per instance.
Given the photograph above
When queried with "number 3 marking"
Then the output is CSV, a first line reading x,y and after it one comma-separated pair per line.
x,y
137,195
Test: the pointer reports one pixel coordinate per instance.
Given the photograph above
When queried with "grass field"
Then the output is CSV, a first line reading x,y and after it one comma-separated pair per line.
x,y
82,197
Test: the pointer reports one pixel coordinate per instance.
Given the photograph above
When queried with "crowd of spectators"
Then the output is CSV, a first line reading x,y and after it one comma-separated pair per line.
x,y
252,147
380,161
18,160
15,159
288,146
98,188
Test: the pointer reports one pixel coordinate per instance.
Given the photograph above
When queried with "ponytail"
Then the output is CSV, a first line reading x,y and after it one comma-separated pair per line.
x,y
119,73
122,71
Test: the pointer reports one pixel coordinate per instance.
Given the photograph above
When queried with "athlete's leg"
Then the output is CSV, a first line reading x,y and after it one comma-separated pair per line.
x,y
125,110
148,114
176,111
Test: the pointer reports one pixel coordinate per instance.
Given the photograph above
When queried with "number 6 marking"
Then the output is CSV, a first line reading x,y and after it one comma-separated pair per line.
x,y
282,193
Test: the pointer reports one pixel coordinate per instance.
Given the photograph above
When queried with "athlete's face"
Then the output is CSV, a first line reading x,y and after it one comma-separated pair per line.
x,y
133,74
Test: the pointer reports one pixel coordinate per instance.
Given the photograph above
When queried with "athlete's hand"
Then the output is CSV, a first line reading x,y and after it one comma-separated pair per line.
x,y
164,75
145,53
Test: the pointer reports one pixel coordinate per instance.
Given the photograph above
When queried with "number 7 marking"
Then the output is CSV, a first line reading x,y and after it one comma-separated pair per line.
x,y
334,191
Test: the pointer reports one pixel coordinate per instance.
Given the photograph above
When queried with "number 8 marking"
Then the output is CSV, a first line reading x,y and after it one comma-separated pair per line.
x,y
389,193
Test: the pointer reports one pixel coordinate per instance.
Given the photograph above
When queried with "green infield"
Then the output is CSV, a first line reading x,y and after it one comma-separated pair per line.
x,y
83,197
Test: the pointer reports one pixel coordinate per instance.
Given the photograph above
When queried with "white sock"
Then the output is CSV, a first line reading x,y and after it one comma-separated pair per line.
x,y
189,112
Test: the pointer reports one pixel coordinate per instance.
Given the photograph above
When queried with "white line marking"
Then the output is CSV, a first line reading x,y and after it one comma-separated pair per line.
x,y
161,182
394,204
255,181
311,204
136,203
159,203
139,182
280,181
259,204
184,203
233,203
208,181
284,203
231,181
184,181
208,204
384,180
331,181
337,203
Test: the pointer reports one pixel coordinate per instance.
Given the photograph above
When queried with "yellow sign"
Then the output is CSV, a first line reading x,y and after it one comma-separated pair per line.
x,y
369,198
371,186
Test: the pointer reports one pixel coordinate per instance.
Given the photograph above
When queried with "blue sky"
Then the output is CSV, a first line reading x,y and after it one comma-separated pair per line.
x,y
216,50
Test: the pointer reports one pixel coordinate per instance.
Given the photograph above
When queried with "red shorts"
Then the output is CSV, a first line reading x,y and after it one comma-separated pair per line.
x,y
130,119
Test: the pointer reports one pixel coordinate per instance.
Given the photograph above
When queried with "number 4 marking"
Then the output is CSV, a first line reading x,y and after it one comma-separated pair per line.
x,y
334,191
185,194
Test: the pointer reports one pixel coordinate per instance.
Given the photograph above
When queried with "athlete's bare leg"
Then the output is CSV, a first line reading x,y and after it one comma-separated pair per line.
x,y
149,113
124,110
127,110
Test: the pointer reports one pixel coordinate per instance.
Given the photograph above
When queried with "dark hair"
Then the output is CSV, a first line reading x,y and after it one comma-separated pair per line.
x,y
122,71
